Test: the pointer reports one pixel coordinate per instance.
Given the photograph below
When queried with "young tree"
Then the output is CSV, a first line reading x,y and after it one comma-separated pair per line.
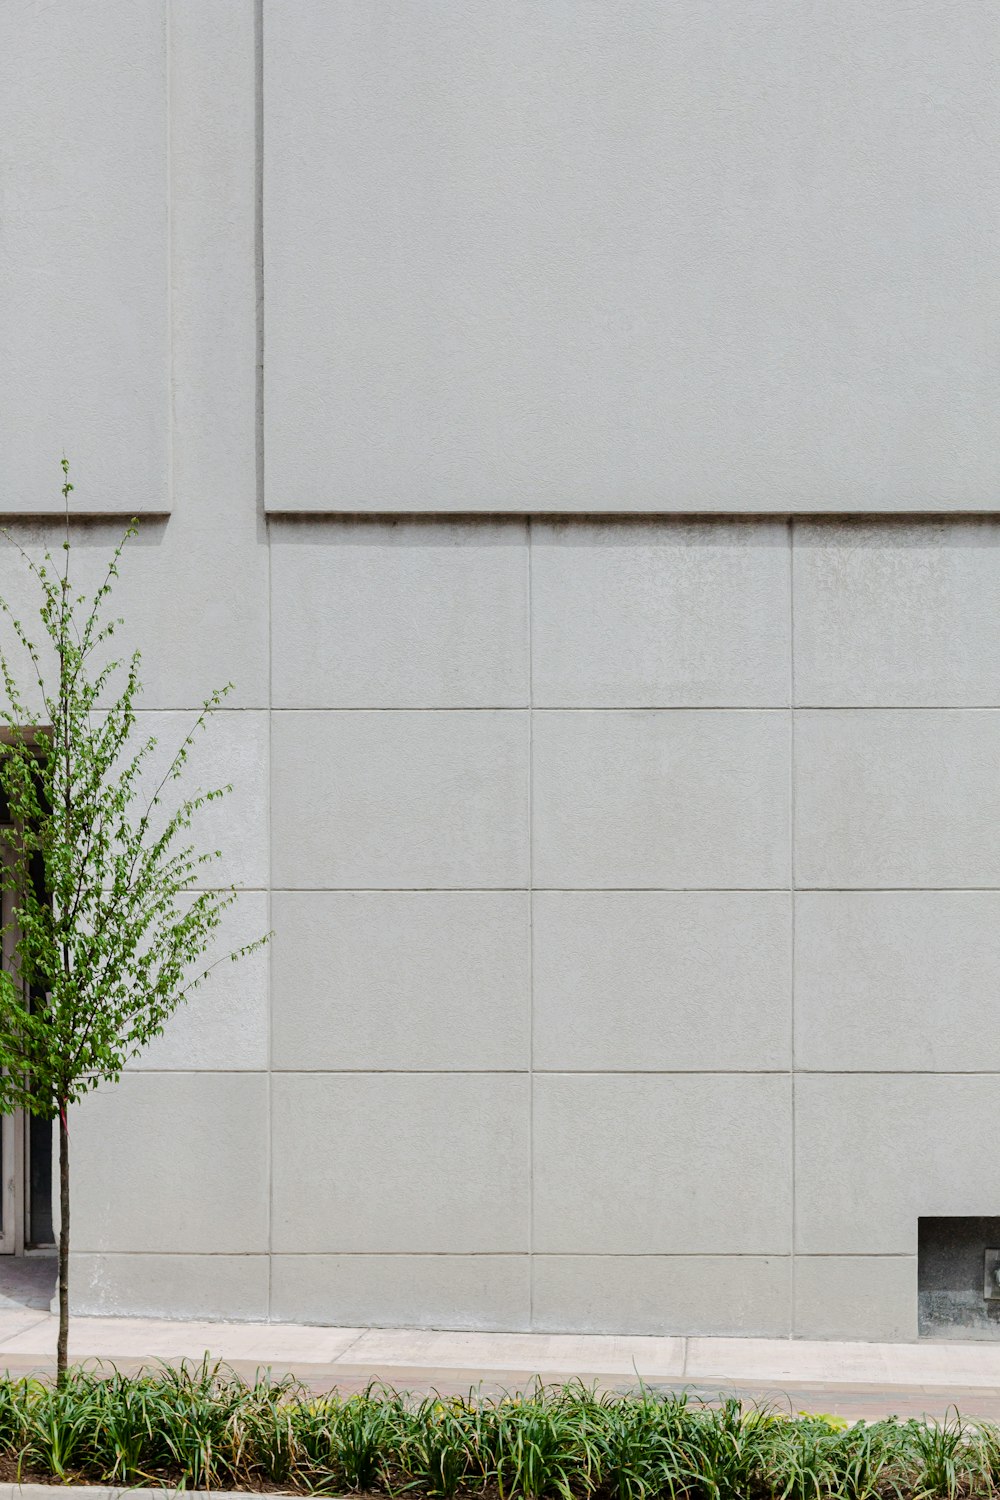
x,y
110,921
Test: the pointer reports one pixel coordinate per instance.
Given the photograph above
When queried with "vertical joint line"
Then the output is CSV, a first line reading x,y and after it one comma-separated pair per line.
x,y
792,898
258,250
531,941
258,238
169,151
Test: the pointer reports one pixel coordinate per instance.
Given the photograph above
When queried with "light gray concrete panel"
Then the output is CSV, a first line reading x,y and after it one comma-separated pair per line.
x,y
22,550
400,614
401,979
193,602
874,1153
214,551
647,257
660,613
231,750
229,1287
856,1297
167,1162
897,980
894,613
488,1292
84,282
662,1294
666,1164
194,597
661,799
213,230
400,1162
662,980
193,591
224,1024
897,798
400,799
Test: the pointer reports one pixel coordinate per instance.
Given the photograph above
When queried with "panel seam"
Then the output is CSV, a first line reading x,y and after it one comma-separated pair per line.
x,y
258,228
168,146
792,899
531,933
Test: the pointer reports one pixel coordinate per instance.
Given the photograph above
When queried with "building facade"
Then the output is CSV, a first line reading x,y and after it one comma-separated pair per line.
x,y
574,430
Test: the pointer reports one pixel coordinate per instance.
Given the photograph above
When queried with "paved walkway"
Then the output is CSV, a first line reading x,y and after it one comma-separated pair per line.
x,y
855,1380
27,1281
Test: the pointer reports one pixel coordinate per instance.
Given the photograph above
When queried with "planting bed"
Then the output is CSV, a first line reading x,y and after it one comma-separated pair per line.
x,y
202,1427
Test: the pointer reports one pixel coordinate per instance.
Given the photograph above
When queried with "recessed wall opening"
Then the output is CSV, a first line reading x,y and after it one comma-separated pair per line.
x,y
958,1278
26,1219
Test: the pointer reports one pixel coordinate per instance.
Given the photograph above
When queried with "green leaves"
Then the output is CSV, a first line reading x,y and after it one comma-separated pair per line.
x,y
111,916
200,1426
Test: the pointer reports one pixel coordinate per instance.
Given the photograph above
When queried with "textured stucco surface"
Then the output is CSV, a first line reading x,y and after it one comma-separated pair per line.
x,y
633,880
693,256
84,255
648,1018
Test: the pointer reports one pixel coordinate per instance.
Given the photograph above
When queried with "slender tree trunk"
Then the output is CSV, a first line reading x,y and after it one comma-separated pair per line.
x,y
62,1349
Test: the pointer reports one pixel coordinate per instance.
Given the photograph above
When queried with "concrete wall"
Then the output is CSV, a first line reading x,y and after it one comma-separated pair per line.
x,y
634,877
704,255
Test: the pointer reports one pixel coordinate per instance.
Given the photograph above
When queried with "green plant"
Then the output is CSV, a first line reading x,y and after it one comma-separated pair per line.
x,y
946,1460
442,1447
347,1444
720,1451
56,1430
817,1458
202,1426
641,1445
546,1448
110,916
267,1439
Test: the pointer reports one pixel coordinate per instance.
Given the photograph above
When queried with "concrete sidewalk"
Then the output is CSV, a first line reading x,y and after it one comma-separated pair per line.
x,y
855,1380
